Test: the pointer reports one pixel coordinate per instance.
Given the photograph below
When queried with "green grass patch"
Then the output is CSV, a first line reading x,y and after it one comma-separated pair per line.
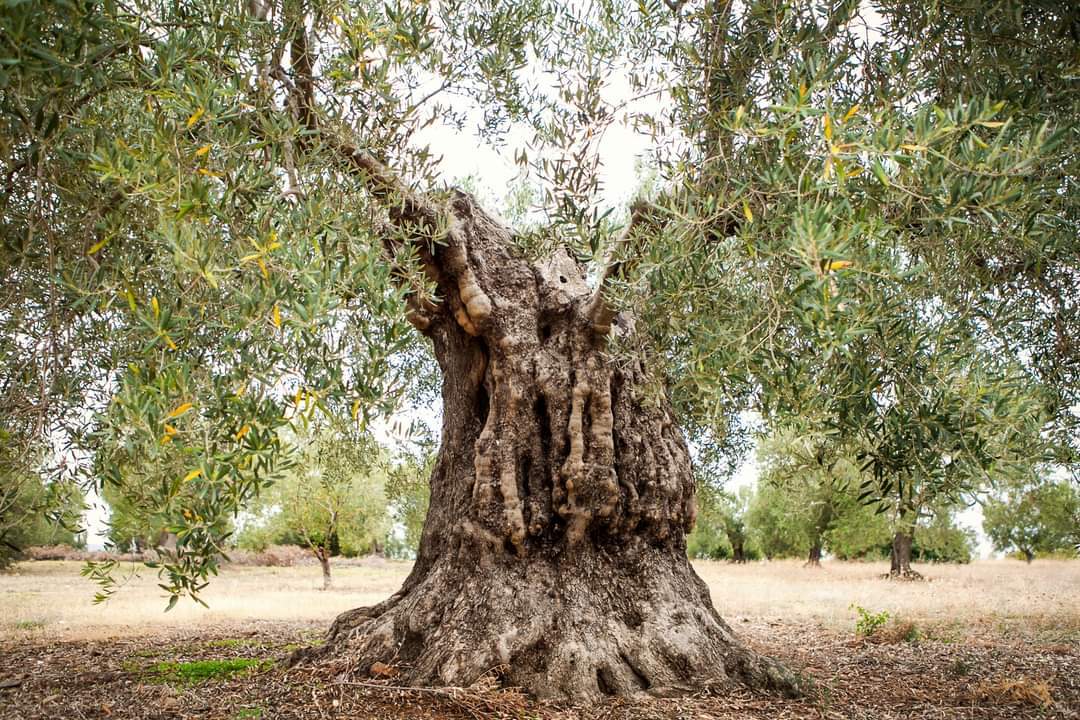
x,y
199,671
29,624
248,714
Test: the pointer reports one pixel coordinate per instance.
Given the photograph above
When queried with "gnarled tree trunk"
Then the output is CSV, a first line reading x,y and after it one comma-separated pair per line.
x,y
554,545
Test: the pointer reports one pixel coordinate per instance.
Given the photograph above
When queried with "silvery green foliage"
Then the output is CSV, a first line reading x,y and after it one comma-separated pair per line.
x,y
862,219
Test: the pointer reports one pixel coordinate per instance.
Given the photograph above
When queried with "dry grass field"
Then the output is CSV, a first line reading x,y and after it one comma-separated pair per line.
x,y
991,639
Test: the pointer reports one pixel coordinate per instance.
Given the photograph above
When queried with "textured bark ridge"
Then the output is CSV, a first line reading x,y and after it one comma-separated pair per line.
x,y
554,546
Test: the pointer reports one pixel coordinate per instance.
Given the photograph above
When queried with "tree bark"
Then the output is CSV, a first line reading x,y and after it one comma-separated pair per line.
x,y
814,558
738,553
900,557
554,549
1028,555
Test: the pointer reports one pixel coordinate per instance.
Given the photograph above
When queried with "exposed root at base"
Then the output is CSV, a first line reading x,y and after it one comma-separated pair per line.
x,y
909,575
577,634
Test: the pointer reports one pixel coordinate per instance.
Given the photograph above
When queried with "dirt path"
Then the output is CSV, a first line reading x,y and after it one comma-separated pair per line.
x,y
140,677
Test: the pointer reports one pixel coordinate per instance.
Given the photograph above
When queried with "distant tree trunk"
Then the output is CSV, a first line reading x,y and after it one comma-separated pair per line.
x,y
814,559
323,555
900,557
1028,555
738,552
554,547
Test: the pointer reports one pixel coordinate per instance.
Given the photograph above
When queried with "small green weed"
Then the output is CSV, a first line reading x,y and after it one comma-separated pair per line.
x,y
228,643
869,623
192,673
248,714
29,624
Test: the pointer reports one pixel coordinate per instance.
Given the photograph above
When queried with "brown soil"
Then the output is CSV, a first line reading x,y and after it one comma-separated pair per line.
x,y
976,678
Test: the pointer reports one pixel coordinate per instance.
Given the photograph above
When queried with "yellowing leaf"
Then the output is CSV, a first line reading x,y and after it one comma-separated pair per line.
x,y
195,116
262,266
202,151
169,430
166,439
154,305
277,316
209,173
242,432
355,409
747,212
852,112
169,341
913,148
97,246
192,475
839,265
857,170
991,124
828,127
179,410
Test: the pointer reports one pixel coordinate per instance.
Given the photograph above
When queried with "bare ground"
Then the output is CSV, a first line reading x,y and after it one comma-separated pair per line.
x,y
990,640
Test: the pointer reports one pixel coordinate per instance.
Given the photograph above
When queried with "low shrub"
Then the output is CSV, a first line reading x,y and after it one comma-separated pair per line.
x,y
869,623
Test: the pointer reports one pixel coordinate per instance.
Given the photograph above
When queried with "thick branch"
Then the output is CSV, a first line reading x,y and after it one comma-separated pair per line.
x,y
406,207
599,310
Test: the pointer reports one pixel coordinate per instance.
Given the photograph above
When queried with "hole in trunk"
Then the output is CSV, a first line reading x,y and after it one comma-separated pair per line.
x,y
604,682
411,646
543,422
482,405
523,478
545,333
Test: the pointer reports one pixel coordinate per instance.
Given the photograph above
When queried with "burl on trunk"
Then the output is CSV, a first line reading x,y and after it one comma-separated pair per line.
x,y
554,547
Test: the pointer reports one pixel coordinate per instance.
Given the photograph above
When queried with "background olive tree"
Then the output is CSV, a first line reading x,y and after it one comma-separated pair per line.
x,y
333,500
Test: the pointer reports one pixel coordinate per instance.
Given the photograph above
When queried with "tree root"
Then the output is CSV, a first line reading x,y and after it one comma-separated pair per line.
x,y
564,637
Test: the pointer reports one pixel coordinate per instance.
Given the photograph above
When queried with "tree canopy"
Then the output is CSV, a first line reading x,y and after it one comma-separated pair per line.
x,y
863,220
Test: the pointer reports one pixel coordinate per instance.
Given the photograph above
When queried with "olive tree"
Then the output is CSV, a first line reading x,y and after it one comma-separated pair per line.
x,y
220,219
333,498
1040,517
